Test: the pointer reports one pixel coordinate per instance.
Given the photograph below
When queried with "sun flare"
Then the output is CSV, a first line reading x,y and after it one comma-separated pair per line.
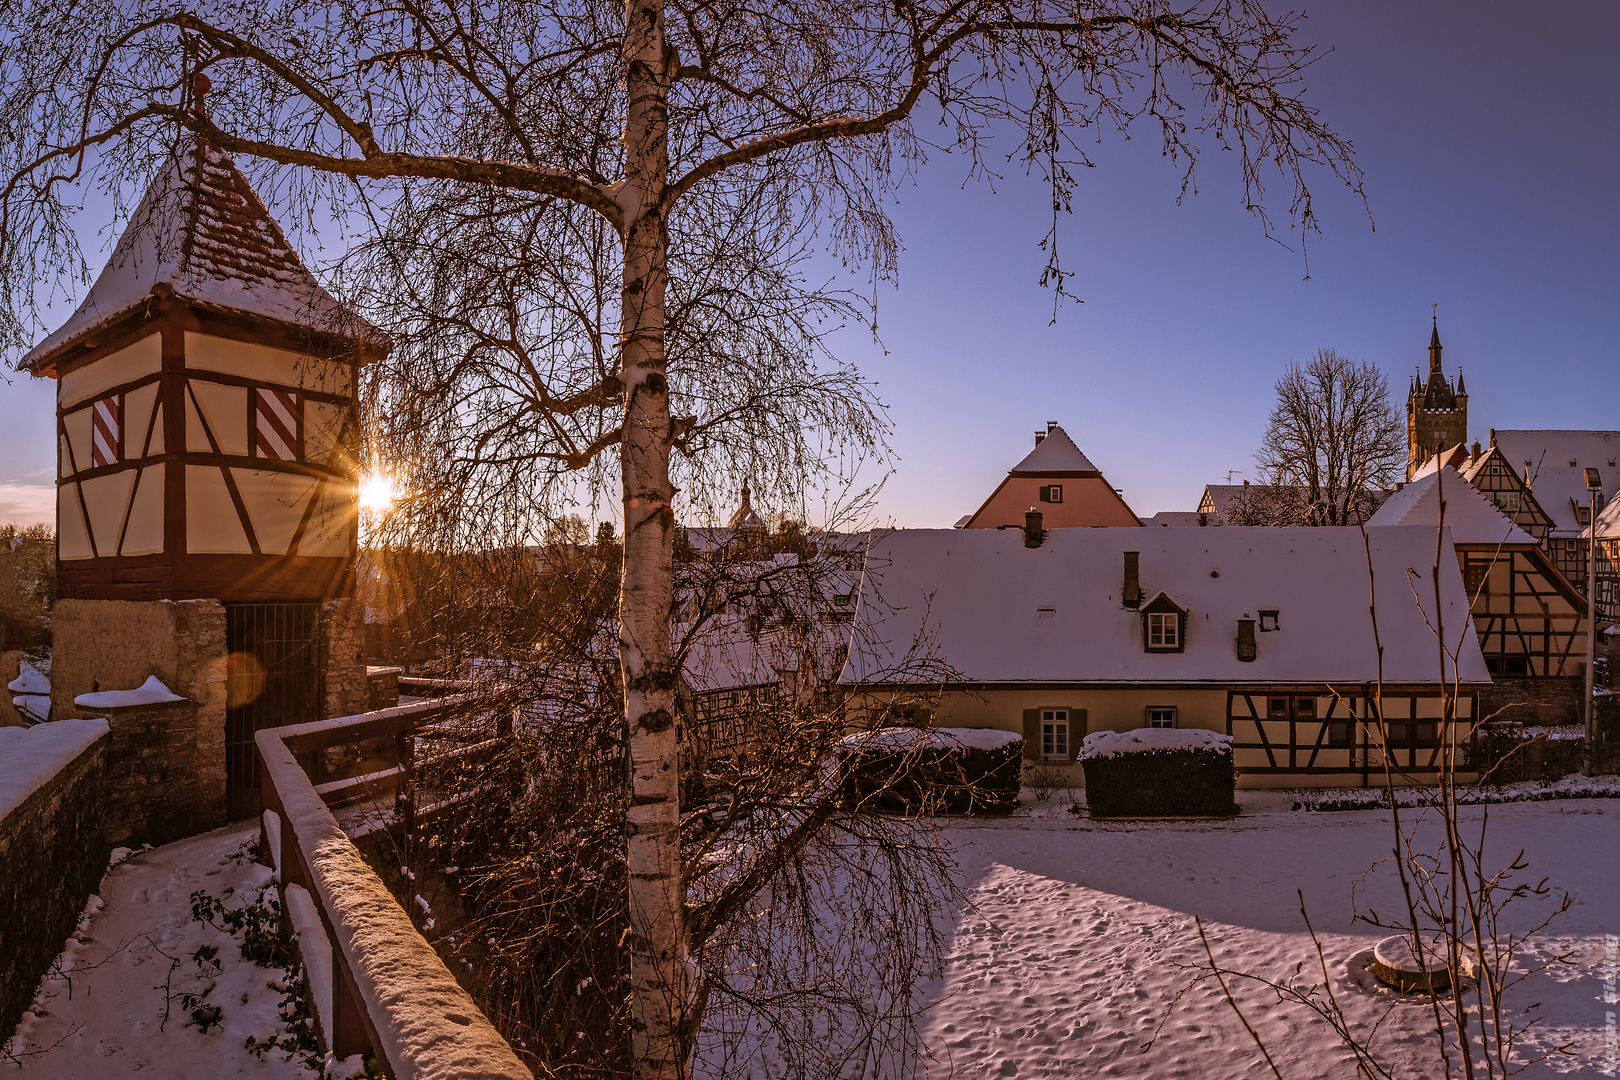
x,y
377,493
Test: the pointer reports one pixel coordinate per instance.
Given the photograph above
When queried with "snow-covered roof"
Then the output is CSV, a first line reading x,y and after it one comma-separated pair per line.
x,y
1471,517
1178,519
1560,487
1053,455
203,233
997,612
1607,526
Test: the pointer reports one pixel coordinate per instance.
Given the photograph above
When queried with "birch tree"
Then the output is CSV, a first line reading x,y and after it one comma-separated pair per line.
x,y
647,116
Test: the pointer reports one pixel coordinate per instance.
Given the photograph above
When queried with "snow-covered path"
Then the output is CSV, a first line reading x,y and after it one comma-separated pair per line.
x,y
1078,935
104,1016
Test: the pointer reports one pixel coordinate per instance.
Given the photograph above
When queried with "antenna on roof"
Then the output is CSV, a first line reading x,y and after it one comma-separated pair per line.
x,y
1232,472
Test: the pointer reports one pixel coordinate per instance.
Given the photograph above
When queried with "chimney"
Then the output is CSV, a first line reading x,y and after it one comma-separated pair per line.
x,y
1033,533
1493,436
1245,641
1473,455
1527,467
1051,425
1039,435
1133,579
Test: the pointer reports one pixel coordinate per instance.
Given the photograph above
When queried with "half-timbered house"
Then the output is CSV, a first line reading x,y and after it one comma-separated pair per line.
x,y
1261,633
207,439
1531,620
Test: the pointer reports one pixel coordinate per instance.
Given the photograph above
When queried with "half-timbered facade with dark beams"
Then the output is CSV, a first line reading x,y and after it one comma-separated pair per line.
x,y
206,419
1529,618
207,435
1262,633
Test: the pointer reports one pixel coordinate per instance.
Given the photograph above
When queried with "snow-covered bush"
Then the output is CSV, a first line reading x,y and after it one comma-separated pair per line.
x,y
1159,772
930,770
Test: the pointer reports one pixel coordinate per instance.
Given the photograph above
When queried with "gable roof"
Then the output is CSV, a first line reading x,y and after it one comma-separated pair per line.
x,y
1560,487
1055,455
201,233
1471,517
974,597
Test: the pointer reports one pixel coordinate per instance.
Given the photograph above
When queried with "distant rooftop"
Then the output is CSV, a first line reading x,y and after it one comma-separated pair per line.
x,y
1055,455
1471,517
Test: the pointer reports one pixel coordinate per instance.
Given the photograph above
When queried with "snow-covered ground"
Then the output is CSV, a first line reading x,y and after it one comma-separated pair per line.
x,y
1079,935
100,1014
1071,958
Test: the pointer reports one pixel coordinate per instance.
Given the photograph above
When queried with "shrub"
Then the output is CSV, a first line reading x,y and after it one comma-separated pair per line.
x,y
1154,772
932,770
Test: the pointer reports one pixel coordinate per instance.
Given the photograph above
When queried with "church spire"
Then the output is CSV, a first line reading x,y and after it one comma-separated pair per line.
x,y
1434,347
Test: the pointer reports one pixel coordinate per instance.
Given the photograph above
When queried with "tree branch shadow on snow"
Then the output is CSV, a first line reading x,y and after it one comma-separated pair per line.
x,y
1454,898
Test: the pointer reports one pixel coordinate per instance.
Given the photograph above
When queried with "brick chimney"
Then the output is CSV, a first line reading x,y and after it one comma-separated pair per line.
x,y
1033,533
1133,579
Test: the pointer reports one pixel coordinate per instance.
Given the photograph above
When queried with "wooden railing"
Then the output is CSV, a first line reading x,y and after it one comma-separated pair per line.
x,y
381,989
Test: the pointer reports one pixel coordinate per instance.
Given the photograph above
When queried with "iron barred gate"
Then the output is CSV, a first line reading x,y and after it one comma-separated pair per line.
x,y
272,679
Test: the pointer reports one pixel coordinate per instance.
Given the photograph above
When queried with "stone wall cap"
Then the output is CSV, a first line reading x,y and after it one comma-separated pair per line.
x,y
151,692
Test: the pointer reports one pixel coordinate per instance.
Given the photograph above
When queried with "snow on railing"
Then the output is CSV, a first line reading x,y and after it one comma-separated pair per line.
x,y
389,991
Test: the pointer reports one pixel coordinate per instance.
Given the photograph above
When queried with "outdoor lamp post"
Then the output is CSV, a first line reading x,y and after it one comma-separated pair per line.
x,y
1594,487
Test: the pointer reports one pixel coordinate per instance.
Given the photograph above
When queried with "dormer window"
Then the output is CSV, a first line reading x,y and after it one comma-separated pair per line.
x,y
1268,620
1051,493
1164,625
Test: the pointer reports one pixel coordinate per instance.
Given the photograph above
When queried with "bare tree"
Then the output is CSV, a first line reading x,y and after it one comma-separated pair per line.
x,y
1335,437
647,116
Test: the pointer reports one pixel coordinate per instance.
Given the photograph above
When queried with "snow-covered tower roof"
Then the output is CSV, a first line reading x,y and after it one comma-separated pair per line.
x,y
202,235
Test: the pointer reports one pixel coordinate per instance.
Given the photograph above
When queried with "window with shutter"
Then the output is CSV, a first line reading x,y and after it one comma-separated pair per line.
x,y
275,425
105,419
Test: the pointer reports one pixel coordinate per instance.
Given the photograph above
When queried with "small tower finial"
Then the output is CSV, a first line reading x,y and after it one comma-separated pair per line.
x,y
200,85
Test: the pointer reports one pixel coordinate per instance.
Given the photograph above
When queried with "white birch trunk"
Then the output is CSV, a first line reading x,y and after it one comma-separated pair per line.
x,y
652,825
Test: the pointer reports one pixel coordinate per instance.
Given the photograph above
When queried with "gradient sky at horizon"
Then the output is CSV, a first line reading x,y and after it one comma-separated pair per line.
x,y
1487,134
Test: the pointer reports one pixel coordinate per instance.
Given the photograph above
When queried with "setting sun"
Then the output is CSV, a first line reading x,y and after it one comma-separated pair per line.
x,y
377,492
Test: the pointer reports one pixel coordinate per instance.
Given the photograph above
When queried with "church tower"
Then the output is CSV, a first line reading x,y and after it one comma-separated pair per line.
x,y
1436,414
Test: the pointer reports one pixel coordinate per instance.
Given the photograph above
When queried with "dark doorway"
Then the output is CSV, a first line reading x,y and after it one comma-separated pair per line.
x,y
272,679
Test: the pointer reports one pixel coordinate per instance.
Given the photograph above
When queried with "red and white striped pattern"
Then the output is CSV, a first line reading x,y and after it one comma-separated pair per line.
x,y
104,432
276,425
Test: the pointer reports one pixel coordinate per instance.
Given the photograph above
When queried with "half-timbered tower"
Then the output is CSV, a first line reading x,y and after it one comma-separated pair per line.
x,y
207,433
1436,413
1060,481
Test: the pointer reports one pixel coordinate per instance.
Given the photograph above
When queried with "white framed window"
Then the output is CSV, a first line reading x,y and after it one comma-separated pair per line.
x,y
1054,733
1051,493
1161,716
1164,630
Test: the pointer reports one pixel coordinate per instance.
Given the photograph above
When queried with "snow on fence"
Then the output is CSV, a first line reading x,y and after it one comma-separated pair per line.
x,y
386,990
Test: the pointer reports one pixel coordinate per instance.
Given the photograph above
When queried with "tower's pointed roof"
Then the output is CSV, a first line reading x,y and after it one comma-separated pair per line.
x,y
201,233
1055,454
745,517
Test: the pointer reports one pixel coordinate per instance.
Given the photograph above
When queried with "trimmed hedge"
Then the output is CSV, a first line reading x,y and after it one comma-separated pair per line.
x,y
931,775
1179,782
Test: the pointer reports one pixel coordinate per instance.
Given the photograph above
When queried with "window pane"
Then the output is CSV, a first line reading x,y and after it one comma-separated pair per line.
x,y
1305,707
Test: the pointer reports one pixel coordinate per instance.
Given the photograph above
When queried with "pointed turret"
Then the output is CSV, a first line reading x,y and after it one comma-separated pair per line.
x,y
1434,348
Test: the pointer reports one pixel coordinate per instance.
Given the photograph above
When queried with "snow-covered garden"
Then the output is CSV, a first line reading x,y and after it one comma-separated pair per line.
x,y
1075,954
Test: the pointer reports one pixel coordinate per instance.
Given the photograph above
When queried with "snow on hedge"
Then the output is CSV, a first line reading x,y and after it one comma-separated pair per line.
x,y
1105,744
30,756
150,692
930,738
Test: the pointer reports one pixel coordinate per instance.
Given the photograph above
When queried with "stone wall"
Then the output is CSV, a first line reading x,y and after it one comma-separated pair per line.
x,y
343,660
53,851
166,764
1533,701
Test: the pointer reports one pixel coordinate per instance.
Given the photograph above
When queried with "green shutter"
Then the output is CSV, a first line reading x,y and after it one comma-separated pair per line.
x,y
1032,734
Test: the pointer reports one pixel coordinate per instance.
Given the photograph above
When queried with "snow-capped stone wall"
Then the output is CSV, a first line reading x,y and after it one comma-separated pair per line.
x,y
53,846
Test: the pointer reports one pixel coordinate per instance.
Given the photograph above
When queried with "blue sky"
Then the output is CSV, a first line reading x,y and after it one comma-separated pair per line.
x,y
1488,137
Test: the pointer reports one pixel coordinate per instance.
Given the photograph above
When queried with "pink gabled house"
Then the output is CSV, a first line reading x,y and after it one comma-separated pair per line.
x,y
1058,480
